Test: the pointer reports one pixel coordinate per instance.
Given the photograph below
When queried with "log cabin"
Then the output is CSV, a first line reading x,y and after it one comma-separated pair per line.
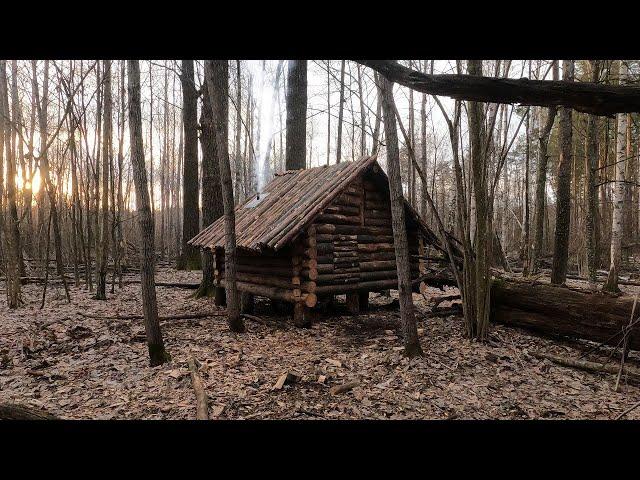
x,y
315,233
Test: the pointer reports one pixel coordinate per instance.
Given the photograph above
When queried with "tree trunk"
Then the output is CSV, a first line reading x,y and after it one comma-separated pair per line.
x,y
296,115
407,315
563,190
584,97
340,114
555,310
592,194
478,325
217,77
190,257
211,190
103,241
157,352
10,227
541,183
618,194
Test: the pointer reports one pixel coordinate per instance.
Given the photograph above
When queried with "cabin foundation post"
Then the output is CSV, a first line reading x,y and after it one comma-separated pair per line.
x,y
311,315
280,307
298,315
353,303
363,300
246,302
220,297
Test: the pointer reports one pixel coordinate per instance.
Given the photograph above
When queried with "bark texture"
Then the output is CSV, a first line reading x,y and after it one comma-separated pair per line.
x,y
190,257
103,242
541,183
157,352
211,190
560,311
584,97
563,190
296,99
407,314
217,77
592,193
618,194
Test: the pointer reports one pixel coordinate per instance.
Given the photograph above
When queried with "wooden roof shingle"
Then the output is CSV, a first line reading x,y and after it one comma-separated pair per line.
x,y
288,204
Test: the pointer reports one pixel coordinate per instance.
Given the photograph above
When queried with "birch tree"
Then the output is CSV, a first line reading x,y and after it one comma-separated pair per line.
x,y
611,284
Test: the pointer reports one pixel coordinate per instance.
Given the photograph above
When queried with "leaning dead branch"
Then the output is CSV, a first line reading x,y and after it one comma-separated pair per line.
x,y
633,374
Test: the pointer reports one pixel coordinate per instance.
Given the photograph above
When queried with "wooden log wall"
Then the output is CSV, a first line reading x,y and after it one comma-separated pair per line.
x,y
354,242
272,275
348,248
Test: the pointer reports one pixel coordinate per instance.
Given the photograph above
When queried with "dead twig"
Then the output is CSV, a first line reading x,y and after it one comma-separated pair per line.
x,y
256,319
628,410
186,316
633,374
625,345
345,387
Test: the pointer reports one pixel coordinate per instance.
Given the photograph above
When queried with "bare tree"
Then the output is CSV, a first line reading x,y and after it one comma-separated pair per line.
x,y
340,114
591,216
212,208
541,182
157,352
407,315
103,241
217,78
10,227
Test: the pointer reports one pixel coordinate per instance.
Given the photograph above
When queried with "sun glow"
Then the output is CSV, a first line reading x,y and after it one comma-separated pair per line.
x,y
33,183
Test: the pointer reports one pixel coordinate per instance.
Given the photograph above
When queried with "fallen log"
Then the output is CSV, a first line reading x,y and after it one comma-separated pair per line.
x,y
14,411
582,96
202,407
186,316
560,311
555,310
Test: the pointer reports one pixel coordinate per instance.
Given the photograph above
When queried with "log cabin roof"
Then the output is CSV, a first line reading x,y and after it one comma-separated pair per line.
x,y
290,202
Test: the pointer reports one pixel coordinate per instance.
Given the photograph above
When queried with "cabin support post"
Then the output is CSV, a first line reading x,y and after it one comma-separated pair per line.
x,y
353,303
220,297
246,302
311,315
363,300
280,307
299,319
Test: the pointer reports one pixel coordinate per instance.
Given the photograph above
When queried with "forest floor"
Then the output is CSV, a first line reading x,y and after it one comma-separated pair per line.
x,y
78,367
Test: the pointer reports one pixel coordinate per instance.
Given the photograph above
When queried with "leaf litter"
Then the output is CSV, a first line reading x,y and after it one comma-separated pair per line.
x,y
78,362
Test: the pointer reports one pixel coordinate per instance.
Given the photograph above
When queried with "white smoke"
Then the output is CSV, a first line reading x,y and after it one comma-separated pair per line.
x,y
263,93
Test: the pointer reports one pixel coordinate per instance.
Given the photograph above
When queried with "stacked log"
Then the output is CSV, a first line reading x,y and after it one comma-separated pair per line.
x,y
272,275
348,248
355,242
